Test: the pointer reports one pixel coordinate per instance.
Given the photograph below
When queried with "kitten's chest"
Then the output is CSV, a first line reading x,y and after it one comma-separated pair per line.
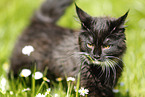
x,y
97,74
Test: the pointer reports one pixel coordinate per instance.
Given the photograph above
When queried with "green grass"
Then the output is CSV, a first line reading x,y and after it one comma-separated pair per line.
x,y
15,15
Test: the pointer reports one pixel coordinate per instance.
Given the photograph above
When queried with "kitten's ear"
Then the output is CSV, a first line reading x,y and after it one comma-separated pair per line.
x,y
83,16
121,20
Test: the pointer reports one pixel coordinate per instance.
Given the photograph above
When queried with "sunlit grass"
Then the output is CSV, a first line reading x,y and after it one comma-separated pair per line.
x,y
15,15
21,86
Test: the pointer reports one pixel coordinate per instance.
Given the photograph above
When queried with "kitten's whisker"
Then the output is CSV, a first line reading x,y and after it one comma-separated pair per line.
x,y
114,71
83,61
116,58
86,55
106,76
101,73
116,64
107,72
103,68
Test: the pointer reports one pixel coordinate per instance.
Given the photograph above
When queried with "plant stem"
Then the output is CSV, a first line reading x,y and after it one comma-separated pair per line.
x,y
78,84
68,89
33,82
40,87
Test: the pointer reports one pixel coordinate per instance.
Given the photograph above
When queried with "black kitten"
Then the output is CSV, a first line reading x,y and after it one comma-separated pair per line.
x,y
98,48
102,43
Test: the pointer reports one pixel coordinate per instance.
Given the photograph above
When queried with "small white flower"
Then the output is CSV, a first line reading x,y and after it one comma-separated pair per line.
x,y
40,95
11,93
56,95
48,91
25,73
27,89
38,75
115,90
27,50
83,91
3,83
71,79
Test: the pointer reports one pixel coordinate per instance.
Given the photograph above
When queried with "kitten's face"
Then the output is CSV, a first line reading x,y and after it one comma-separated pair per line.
x,y
102,39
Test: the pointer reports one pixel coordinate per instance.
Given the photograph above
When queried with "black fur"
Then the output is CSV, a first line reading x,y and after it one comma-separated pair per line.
x,y
62,51
100,32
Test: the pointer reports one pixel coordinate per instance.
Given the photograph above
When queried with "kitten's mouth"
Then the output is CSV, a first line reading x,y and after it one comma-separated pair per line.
x,y
107,62
102,62
98,62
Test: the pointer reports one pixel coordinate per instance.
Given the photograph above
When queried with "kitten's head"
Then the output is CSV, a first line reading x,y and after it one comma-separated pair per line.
x,y
102,39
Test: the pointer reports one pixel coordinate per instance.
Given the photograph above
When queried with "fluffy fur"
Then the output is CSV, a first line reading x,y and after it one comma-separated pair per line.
x,y
102,43
97,48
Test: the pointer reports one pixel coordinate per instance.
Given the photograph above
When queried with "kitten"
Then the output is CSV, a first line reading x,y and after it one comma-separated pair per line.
x,y
102,44
97,48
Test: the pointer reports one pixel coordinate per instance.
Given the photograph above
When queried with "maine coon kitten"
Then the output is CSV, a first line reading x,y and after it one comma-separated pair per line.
x,y
97,48
102,44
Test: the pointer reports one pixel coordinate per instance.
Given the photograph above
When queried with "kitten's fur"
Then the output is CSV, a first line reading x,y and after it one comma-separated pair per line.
x,y
97,48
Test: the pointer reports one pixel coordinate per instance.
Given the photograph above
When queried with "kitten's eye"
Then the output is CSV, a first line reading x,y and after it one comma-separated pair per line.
x,y
106,46
89,45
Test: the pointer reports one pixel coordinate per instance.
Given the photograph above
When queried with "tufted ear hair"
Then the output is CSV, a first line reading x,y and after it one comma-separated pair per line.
x,y
121,20
84,17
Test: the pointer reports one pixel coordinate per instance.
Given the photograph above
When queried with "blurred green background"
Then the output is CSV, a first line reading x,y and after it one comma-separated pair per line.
x,y
15,16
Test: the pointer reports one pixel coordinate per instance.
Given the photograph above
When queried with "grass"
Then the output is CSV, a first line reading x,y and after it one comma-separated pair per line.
x,y
15,15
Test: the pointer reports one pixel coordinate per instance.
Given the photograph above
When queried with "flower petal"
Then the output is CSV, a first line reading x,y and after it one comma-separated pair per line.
x,y
27,50
38,75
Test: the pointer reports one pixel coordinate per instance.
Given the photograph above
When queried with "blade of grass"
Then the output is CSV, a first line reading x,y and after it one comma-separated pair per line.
x,y
78,84
40,87
33,82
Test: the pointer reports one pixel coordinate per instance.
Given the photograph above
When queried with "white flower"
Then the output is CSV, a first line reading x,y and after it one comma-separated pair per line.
x,y
83,91
48,91
38,75
11,93
27,89
27,50
56,95
25,73
71,79
40,95
115,90
3,84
